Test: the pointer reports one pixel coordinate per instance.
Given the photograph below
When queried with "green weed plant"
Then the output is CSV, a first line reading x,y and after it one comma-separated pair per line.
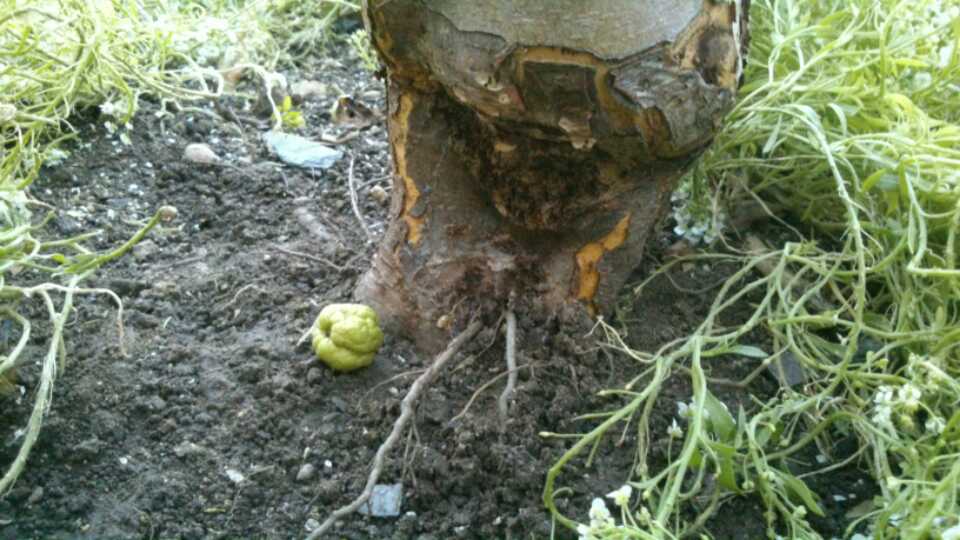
x,y
61,58
848,121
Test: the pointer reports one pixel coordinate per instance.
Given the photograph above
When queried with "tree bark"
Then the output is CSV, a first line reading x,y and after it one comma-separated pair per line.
x,y
535,145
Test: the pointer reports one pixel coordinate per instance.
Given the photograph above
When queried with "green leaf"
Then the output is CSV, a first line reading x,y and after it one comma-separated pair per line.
x,y
750,351
798,490
728,474
696,458
763,435
951,433
721,421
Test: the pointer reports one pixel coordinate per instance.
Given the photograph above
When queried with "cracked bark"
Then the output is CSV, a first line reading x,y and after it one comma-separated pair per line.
x,y
535,146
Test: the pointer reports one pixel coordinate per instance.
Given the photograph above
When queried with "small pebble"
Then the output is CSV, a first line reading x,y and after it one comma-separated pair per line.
x,y
306,472
235,476
35,496
311,525
200,153
379,194
304,90
187,448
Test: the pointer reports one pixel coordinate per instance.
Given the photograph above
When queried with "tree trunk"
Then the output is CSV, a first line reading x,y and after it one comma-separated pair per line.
x,y
535,145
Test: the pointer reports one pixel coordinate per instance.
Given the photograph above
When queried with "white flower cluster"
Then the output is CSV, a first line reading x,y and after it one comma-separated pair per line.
x,y
931,18
213,41
693,224
903,401
601,520
7,113
953,533
950,533
685,413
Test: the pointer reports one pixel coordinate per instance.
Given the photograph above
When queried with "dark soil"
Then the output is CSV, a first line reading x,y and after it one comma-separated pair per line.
x,y
202,429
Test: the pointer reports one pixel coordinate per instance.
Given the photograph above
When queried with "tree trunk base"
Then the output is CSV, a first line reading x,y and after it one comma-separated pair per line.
x,y
480,215
535,144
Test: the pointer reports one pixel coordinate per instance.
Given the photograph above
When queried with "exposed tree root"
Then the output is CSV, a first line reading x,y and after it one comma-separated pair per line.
x,y
355,201
407,408
511,356
476,394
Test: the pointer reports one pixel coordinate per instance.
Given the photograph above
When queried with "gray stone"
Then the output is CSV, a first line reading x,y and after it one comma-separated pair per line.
x,y
384,502
35,496
304,90
200,153
306,472
788,370
301,152
187,448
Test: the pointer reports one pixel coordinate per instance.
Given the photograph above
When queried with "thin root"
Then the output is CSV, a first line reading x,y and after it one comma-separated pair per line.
x,y
480,390
511,355
355,202
406,413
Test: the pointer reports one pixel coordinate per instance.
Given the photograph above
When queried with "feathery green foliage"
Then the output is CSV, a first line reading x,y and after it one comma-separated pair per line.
x,y
849,120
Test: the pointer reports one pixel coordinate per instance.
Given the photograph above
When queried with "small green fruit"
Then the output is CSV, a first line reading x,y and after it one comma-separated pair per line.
x,y
346,337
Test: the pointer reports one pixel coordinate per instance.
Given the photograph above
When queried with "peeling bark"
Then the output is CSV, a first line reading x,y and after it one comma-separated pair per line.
x,y
535,146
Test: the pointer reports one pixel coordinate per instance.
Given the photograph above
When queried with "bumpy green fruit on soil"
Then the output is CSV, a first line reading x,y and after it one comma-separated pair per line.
x,y
347,336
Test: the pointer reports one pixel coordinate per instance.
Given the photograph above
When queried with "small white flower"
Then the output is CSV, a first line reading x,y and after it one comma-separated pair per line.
x,y
935,425
55,157
586,533
674,430
884,395
953,533
599,514
684,410
881,416
109,108
910,397
643,516
621,497
946,54
7,113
